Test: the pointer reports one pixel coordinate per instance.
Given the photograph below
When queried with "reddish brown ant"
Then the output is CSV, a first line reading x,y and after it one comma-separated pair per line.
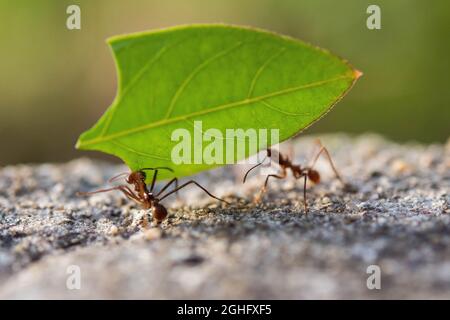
x,y
298,171
145,197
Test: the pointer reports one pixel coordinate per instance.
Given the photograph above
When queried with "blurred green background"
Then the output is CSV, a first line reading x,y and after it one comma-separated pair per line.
x,y
55,82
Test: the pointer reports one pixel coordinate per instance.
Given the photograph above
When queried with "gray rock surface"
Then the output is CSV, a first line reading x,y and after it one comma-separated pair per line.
x,y
397,217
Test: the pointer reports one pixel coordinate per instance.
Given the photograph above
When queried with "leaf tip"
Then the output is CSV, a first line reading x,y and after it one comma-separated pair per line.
x,y
357,74
79,144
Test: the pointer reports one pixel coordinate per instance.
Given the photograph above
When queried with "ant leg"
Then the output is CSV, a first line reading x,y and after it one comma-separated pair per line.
x,y
155,174
177,194
327,154
198,185
167,185
304,194
130,194
154,180
124,189
282,175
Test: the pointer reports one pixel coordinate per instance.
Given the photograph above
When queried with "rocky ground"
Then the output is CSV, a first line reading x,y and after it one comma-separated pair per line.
x,y
397,217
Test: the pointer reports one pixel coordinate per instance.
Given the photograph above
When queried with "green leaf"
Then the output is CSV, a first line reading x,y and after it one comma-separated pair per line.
x,y
225,76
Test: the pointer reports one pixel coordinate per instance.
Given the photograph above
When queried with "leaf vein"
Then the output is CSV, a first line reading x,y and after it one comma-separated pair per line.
x,y
261,69
194,72
136,78
214,109
147,155
271,106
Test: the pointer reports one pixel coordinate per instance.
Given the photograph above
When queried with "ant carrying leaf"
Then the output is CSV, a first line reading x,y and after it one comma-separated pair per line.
x,y
285,164
145,196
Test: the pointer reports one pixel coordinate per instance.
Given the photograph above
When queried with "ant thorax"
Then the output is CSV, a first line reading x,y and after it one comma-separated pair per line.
x,y
297,171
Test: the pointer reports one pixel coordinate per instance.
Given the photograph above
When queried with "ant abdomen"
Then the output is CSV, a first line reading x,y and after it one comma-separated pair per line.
x,y
314,176
159,212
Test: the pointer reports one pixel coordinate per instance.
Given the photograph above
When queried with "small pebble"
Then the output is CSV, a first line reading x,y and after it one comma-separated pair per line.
x,y
152,233
400,166
114,231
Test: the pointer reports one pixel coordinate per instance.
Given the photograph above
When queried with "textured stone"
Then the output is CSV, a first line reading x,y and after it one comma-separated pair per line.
x,y
397,217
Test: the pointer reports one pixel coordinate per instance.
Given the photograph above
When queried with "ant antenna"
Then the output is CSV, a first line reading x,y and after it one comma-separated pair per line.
x,y
118,176
157,168
94,192
255,166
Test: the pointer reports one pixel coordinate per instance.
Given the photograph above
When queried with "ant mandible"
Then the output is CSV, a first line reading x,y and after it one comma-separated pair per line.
x,y
145,197
298,171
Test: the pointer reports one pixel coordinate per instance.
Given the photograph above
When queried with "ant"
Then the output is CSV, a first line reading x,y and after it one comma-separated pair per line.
x,y
298,171
145,196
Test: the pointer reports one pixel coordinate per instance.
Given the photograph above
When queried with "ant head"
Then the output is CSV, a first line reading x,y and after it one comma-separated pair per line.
x,y
136,176
314,175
